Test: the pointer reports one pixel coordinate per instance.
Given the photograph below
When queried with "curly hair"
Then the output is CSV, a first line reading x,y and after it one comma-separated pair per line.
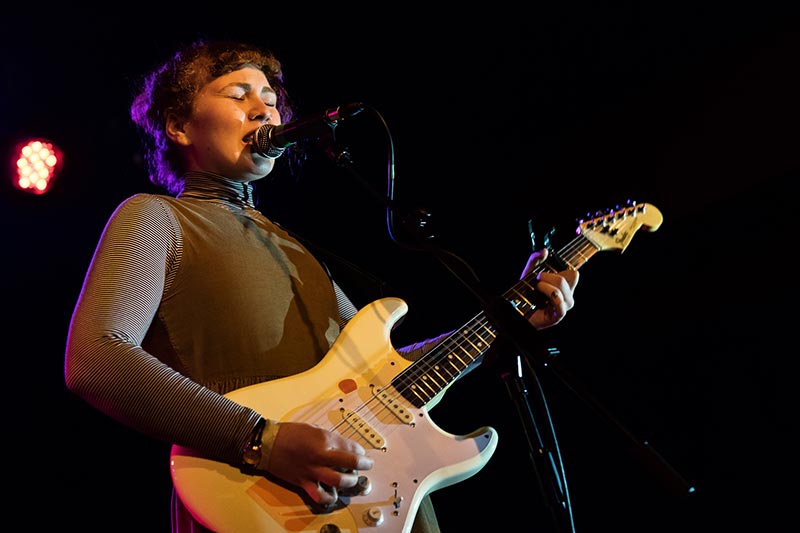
x,y
171,88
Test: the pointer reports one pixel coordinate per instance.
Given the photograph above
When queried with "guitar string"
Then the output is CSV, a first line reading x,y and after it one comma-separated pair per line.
x,y
440,360
419,381
576,253
418,373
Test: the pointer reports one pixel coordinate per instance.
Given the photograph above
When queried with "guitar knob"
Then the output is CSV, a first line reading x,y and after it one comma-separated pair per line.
x,y
364,486
330,528
373,516
361,488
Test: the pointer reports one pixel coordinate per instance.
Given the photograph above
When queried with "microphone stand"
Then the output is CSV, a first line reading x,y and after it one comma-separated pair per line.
x,y
513,329
543,450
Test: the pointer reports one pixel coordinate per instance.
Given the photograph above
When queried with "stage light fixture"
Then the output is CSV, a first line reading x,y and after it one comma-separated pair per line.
x,y
37,163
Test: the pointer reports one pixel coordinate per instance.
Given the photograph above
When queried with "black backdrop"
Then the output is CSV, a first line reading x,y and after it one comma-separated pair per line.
x,y
497,116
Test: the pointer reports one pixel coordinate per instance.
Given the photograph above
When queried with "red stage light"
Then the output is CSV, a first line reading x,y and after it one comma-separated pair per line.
x,y
37,163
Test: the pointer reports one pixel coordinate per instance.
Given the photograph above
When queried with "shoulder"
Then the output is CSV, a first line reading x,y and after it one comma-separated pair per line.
x,y
145,204
147,200
143,212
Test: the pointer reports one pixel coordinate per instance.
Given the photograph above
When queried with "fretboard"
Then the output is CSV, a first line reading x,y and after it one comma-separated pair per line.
x,y
464,349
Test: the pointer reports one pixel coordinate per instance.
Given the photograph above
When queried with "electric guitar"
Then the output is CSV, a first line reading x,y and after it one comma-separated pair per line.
x,y
365,390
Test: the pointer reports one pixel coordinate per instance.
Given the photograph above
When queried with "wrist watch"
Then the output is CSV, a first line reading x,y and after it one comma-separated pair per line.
x,y
251,455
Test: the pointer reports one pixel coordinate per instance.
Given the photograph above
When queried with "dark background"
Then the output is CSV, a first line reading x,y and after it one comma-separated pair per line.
x,y
497,115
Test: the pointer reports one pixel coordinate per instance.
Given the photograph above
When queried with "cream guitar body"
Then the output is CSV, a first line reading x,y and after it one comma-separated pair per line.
x,y
348,391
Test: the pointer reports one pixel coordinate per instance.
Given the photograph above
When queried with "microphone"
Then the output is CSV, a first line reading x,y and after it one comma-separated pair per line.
x,y
271,140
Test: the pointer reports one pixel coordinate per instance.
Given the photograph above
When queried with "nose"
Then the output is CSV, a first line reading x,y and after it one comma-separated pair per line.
x,y
260,112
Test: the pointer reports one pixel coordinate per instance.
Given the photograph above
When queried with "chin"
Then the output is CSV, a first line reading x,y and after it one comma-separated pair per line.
x,y
262,169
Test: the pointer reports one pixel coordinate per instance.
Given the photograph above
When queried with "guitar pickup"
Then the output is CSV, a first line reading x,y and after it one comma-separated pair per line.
x,y
398,409
364,430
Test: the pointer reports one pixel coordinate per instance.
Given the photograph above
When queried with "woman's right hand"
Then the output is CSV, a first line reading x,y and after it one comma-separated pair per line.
x,y
316,460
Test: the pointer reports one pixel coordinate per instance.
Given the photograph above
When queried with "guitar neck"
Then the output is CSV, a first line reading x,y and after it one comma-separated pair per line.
x,y
465,348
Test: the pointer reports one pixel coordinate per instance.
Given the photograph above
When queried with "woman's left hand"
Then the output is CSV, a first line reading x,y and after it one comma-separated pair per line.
x,y
557,287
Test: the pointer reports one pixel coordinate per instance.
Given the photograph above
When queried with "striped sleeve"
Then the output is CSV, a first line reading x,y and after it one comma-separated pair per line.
x,y
105,364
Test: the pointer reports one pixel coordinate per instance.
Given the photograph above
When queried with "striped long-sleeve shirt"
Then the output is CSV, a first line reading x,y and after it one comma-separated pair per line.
x,y
189,298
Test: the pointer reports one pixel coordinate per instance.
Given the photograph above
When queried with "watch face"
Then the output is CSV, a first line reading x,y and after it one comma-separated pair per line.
x,y
252,456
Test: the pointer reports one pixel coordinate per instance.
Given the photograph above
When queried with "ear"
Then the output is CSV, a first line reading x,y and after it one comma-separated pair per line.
x,y
176,131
